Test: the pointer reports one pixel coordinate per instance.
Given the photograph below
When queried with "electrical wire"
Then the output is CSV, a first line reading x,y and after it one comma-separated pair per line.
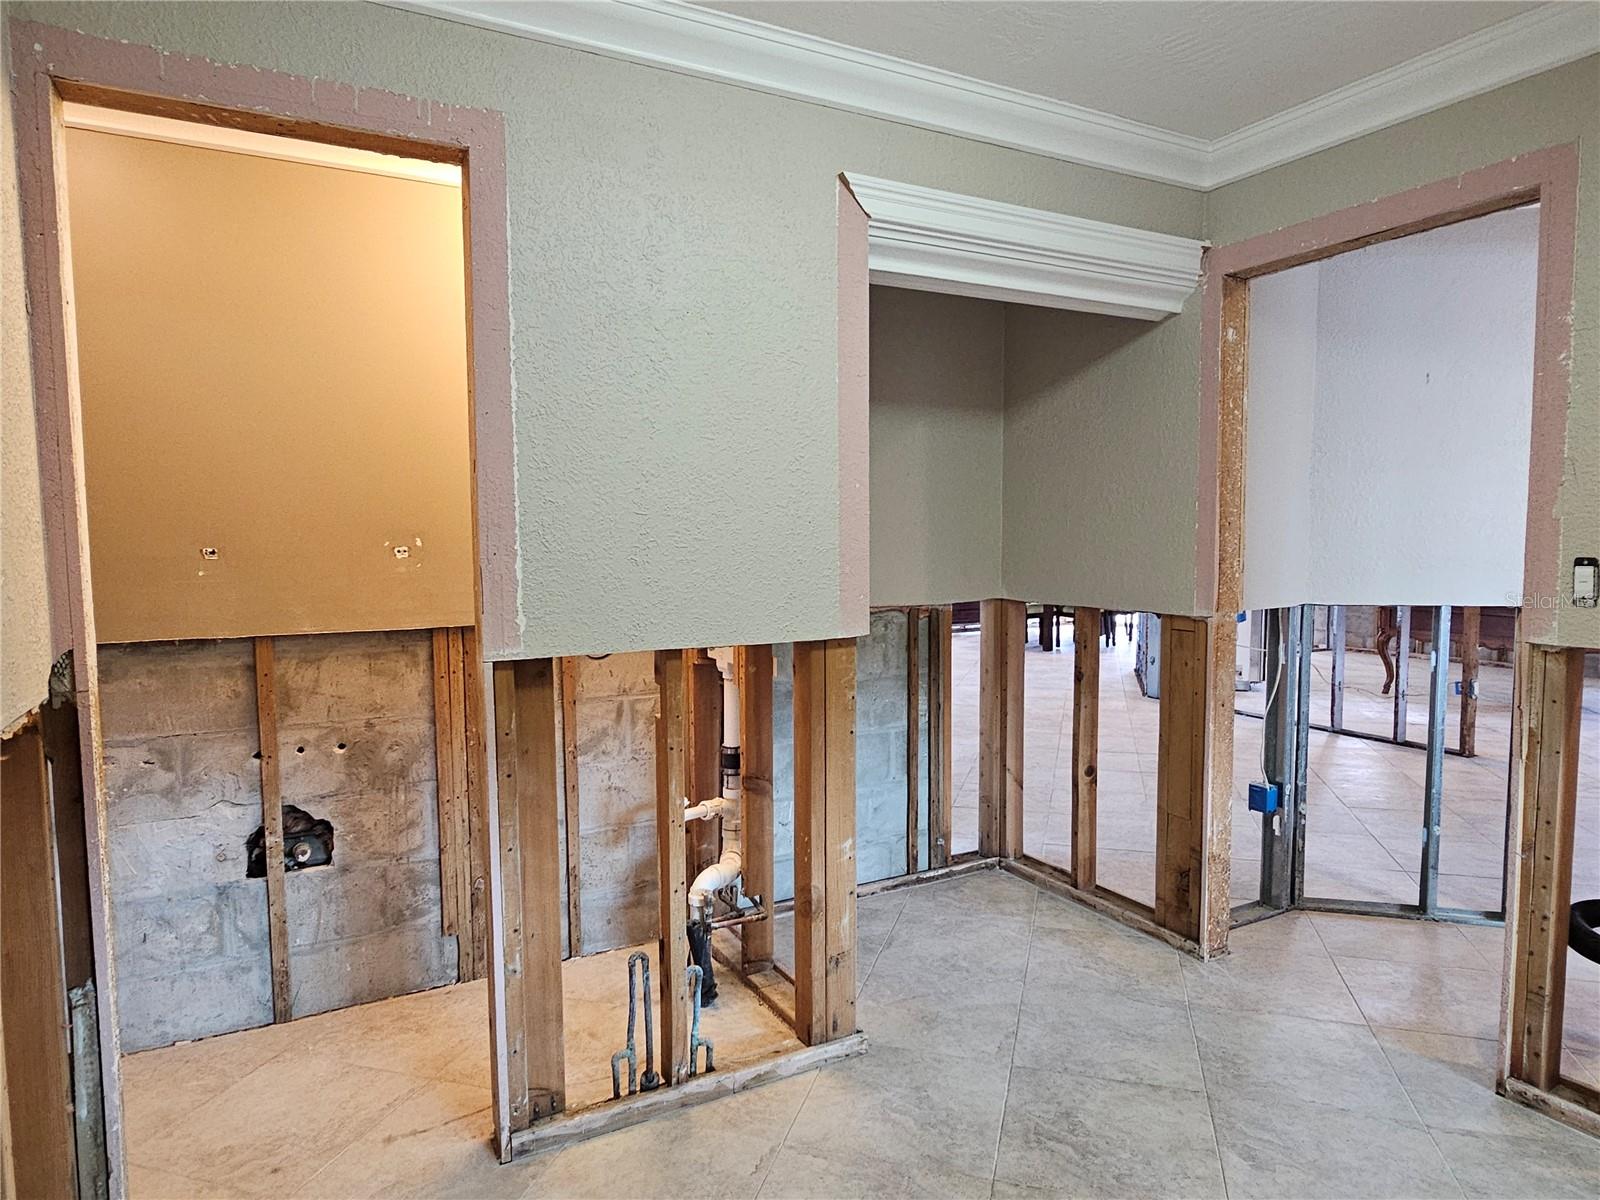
x,y
1272,690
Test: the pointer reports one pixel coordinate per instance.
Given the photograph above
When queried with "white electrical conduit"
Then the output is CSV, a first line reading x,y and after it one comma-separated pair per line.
x,y
727,869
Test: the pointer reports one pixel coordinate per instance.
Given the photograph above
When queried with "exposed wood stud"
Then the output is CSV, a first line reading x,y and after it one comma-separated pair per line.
x,y
705,754
1085,744
512,975
824,823
1471,631
38,1099
537,801
913,740
672,784
477,908
941,791
1181,776
444,753
754,667
572,819
272,829
1554,699
1002,637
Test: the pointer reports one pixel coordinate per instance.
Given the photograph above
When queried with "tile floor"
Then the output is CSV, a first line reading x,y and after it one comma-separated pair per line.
x,y
1021,1046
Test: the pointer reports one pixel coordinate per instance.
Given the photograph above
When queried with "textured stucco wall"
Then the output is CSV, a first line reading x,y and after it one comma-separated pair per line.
x,y
1557,107
24,611
1100,429
937,421
674,268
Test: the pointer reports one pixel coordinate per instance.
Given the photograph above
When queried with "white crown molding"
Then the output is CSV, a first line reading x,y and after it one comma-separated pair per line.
x,y
678,36
713,45
1536,41
937,241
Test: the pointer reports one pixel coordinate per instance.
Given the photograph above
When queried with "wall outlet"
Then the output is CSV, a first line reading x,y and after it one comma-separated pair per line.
x,y
1586,582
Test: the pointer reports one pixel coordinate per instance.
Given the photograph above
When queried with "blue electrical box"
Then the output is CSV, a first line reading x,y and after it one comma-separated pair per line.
x,y
1264,797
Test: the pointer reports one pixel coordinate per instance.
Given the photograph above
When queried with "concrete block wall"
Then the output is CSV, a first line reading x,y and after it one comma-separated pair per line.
x,y
356,746
616,720
880,755
183,794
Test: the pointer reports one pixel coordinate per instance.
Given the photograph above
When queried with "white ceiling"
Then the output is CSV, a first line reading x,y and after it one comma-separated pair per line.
x,y
1203,68
1198,93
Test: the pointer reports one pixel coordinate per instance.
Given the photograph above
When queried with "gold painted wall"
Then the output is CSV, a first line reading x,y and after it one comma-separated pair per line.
x,y
273,361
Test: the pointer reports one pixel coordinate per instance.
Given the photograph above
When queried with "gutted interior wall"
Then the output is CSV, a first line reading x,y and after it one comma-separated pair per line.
x,y
1553,108
25,653
183,786
1100,428
273,366
616,725
881,787
937,433
1414,488
705,330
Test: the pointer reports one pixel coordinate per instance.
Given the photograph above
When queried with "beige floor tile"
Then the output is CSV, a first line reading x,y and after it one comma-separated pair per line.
x,y
1082,1136
1425,998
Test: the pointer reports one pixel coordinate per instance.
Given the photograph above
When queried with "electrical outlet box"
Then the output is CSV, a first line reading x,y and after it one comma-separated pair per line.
x,y
1586,582
1264,797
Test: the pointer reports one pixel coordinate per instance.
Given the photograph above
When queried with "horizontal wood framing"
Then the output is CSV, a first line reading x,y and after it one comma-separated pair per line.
x,y
633,1110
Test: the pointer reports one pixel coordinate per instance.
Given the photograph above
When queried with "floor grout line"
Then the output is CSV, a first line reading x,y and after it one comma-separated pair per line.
x,y
784,1140
1016,1029
1205,1086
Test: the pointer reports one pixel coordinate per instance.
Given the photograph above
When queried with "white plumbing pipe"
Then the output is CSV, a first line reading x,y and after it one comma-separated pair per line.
x,y
730,865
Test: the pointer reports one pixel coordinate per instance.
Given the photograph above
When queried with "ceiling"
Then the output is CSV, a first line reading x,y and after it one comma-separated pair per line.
x,y
1199,68
1198,94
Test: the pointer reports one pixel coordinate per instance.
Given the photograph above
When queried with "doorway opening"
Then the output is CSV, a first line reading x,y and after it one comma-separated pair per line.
x,y
273,372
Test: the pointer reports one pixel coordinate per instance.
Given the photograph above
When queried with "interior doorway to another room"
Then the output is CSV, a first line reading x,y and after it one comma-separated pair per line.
x,y
273,374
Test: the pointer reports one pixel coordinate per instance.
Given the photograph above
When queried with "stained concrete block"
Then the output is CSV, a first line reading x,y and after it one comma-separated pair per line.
x,y
217,997
189,857
620,918
221,768
389,962
142,779
618,858
615,793
617,675
375,755
182,687
325,680
602,729
350,901
400,825
163,934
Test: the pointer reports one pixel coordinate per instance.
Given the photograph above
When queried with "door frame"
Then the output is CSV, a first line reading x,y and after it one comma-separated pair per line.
x,y
50,65
1550,178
